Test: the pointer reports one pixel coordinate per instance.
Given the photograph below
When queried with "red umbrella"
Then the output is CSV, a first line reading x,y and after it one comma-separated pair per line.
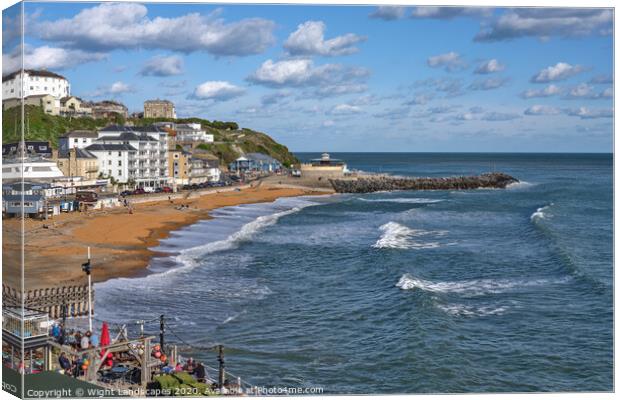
x,y
105,341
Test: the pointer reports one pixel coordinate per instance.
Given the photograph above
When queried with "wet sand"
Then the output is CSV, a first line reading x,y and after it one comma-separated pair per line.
x,y
119,241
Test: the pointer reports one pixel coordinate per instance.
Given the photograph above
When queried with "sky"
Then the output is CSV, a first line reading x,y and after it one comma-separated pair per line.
x,y
343,78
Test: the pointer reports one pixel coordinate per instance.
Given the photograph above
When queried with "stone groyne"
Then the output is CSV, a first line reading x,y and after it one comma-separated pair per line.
x,y
371,184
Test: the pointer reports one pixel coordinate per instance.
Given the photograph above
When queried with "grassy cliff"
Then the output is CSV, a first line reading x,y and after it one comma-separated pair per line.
x,y
230,141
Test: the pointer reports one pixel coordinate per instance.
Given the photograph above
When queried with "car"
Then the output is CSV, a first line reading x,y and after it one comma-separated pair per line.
x,y
139,191
158,190
167,189
126,193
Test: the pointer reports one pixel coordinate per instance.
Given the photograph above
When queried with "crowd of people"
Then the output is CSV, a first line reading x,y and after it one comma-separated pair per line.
x,y
75,338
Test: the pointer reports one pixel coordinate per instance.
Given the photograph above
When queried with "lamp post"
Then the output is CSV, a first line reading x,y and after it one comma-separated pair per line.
x,y
86,269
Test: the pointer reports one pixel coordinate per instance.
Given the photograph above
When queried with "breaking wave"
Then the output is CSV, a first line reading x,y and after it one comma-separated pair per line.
x,y
478,287
519,185
397,236
540,213
403,200
188,258
462,310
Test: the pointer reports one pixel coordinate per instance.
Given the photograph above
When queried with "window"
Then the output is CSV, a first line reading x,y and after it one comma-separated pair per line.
x,y
45,88
109,172
119,172
120,163
109,153
31,87
75,140
109,162
84,140
119,154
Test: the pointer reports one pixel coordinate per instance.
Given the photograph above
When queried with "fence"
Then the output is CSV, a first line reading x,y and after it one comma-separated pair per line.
x,y
51,300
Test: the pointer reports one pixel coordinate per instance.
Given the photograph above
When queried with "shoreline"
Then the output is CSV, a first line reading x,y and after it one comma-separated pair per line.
x,y
120,242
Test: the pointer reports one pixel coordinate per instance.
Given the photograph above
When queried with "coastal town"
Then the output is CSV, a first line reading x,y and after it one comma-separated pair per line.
x,y
116,191
105,197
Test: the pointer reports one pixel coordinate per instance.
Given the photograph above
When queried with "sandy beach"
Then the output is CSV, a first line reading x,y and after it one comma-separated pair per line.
x,y
119,241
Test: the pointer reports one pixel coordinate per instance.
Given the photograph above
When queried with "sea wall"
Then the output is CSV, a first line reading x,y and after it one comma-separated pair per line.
x,y
370,184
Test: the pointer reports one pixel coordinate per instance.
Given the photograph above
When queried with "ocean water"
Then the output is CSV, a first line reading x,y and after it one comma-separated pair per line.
x,y
400,292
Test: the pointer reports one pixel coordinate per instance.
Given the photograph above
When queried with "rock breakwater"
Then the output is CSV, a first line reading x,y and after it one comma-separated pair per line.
x,y
496,180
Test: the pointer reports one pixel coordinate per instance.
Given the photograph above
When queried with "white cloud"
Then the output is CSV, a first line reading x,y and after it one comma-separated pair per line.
x,y
328,123
602,79
114,90
488,84
163,66
338,90
303,72
389,13
434,12
450,61
557,72
46,57
489,67
309,39
217,90
585,91
345,109
546,22
126,26
542,110
588,113
548,91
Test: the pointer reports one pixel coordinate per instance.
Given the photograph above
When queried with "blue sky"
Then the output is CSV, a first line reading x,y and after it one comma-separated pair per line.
x,y
335,78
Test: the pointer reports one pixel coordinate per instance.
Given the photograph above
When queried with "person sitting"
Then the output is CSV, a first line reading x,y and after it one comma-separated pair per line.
x,y
201,373
65,363
85,342
189,365
94,340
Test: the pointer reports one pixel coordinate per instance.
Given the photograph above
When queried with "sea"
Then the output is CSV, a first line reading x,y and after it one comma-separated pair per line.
x,y
499,290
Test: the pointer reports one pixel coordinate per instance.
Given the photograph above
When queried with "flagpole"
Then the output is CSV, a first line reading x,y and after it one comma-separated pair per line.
x,y
90,305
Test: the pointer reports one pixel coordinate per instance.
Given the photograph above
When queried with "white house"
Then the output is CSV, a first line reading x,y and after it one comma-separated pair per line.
x,y
192,132
117,161
76,140
35,83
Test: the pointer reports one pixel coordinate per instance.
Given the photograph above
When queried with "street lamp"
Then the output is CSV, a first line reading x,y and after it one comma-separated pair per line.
x,y
86,269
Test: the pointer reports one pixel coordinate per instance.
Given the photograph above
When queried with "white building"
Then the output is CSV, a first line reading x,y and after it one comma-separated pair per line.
x,y
117,161
149,166
192,132
34,83
76,140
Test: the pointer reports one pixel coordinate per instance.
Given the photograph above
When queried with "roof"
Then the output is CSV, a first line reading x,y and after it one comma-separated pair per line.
x,y
261,157
33,72
79,153
80,134
148,128
67,98
110,147
158,101
128,136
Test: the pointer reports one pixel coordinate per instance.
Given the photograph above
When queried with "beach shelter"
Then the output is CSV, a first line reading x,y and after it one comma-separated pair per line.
x,y
105,341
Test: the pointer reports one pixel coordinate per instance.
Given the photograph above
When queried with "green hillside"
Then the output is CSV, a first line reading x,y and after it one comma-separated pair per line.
x,y
230,141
